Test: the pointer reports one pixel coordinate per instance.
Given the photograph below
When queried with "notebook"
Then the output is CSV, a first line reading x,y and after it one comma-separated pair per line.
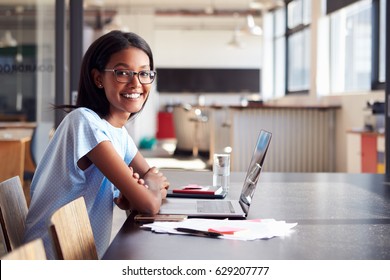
x,y
211,192
225,208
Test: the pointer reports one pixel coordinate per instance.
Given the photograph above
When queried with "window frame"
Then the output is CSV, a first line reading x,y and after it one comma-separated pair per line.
x,y
302,27
376,84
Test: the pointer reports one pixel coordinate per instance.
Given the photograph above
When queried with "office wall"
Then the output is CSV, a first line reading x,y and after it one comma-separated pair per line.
x,y
205,49
201,48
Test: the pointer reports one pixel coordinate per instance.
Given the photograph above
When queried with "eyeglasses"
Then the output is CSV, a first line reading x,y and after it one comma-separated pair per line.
x,y
125,76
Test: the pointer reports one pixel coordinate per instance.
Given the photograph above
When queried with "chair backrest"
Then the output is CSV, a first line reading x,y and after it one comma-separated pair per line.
x,y
40,139
71,232
13,212
33,250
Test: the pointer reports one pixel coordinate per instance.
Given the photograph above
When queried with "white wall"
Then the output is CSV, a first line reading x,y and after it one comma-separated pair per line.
x,y
205,49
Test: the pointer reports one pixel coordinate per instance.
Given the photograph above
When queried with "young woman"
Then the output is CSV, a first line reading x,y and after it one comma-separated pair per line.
x,y
91,153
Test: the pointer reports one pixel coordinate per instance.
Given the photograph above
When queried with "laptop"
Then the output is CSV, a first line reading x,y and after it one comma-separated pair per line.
x,y
225,208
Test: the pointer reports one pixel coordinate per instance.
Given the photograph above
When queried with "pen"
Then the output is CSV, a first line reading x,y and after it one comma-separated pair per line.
x,y
199,232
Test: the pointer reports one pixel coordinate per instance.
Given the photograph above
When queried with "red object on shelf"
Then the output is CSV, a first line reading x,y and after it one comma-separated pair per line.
x,y
369,154
165,126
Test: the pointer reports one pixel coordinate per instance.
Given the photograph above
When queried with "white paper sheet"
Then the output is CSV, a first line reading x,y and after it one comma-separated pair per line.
x,y
231,229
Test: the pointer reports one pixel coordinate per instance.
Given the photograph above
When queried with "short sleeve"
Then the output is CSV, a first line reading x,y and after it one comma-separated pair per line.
x,y
88,124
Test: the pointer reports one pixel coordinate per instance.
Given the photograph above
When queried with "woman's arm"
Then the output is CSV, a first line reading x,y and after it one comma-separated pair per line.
x,y
140,165
151,175
145,200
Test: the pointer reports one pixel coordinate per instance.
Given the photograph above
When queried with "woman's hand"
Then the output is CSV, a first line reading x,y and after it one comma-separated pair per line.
x,y
121,201
156,181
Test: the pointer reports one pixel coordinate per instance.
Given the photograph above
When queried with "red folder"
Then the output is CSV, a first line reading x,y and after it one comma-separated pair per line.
x,y
196,189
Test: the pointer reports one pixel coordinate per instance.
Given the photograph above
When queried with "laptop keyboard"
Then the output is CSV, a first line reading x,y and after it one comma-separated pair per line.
x,y
214,206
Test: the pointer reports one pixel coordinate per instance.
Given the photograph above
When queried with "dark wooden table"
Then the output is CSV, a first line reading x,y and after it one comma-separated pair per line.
x,y
339,216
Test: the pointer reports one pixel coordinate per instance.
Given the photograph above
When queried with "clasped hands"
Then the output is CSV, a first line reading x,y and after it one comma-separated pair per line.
x,y
152,179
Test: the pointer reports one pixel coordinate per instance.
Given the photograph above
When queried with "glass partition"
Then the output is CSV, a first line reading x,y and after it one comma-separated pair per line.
x,y
27,60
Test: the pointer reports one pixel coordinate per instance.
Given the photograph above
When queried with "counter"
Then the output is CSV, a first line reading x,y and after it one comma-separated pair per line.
x,y
304,137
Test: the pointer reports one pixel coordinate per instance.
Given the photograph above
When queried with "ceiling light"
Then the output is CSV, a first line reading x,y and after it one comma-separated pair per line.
x,y
251,26
8,40
265,5
235,41
255,5
210,9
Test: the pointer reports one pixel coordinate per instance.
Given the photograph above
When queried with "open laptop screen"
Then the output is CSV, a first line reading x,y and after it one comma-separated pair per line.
x,y
254,169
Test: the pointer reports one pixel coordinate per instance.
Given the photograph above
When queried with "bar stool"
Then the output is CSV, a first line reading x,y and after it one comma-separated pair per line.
x,y
198,118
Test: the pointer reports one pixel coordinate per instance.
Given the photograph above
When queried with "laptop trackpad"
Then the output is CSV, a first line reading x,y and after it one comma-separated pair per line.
x,y
205,206
178,206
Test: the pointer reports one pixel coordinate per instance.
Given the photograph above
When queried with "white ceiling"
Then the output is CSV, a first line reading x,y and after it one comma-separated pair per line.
x,y
187,4
178,5
206,14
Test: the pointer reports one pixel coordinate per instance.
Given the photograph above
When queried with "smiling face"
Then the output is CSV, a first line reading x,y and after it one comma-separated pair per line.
x,y
124,98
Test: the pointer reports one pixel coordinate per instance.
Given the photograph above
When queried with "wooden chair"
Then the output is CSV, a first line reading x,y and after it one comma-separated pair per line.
x,y
33,250
13,212
71,232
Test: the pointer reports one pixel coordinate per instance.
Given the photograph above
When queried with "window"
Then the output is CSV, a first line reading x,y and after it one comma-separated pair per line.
x,y
357,46
350,48
279,58
27,60
298,46
299,61
287,48
274,60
